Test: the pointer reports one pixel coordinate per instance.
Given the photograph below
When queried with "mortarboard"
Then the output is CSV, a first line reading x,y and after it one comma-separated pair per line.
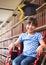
x,y
30,9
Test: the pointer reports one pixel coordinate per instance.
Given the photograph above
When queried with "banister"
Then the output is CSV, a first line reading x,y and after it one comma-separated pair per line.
x,y
3,55
16,36
41,8
40,29
4,48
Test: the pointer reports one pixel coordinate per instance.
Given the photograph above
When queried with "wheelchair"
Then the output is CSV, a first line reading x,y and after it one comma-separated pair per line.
x,y
40,60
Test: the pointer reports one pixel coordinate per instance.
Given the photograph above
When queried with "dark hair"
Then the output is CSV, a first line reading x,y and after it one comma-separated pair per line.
x,y
33,21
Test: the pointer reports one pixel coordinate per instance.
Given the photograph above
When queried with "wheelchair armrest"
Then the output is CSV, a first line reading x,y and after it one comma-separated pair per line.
x,y
35,62
39,58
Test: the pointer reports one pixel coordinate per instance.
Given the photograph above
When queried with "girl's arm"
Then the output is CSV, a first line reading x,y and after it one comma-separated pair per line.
x,y
42,46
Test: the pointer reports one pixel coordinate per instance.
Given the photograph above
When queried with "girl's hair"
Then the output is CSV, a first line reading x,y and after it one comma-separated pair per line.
x,y
33,21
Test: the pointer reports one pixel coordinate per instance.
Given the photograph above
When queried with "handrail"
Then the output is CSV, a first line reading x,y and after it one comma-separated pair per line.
x,y
3,55
16,36
4,48
41,8
40,29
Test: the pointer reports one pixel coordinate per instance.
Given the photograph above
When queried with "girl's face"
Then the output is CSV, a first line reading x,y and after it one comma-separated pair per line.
x,y
30,27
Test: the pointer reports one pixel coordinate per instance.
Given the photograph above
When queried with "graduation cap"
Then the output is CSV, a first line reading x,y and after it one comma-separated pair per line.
x,y
30,9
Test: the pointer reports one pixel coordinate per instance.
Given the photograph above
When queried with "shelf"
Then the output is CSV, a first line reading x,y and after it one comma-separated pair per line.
x,y
41,8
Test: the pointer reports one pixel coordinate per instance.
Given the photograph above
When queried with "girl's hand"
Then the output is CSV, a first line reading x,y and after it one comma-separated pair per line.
x,y
11,46
39,50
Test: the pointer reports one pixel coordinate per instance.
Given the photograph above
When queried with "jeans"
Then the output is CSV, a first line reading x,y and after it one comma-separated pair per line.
x,y
23,60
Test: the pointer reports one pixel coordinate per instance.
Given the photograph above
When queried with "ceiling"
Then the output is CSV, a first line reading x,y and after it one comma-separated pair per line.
x,y
7,7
